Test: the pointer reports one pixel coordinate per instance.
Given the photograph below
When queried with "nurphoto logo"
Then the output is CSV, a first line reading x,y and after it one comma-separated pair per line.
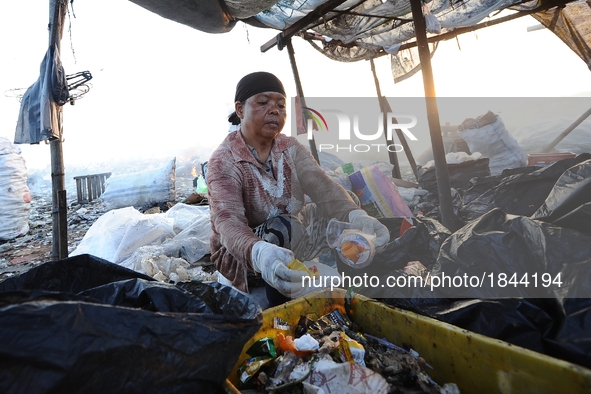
x,y
346,128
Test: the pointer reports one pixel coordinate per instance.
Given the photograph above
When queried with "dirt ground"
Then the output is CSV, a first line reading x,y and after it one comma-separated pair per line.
x,y
35,247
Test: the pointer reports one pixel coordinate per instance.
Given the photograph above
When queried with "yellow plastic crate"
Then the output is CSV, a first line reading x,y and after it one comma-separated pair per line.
x,y
476,363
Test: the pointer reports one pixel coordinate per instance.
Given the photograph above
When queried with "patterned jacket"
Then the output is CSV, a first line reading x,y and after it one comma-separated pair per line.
x,y
242,196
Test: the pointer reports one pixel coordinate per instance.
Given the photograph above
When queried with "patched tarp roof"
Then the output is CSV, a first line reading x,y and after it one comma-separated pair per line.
x,y
351,30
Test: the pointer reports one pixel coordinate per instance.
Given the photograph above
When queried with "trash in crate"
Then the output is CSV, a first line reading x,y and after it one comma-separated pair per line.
x,y
330,355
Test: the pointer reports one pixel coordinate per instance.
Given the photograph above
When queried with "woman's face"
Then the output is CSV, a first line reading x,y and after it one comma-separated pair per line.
x,y
262,115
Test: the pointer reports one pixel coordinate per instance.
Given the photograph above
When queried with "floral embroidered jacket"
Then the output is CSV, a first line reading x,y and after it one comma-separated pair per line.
x,y
242,196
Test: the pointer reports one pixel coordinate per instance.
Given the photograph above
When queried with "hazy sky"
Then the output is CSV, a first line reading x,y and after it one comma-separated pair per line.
x,y
161,89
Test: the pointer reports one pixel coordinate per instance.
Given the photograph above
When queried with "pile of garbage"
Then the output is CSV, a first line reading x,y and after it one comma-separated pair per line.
x,y
168,246
330,355
86,325
525,234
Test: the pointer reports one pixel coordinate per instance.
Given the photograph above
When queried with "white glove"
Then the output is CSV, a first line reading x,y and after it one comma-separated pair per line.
x,y
271,262
370,225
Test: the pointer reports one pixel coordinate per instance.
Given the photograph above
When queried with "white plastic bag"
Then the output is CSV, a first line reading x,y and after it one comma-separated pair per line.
x,y
117,234
153,261
432,24
15,196
193,227
141,188
494,141
193,241
184,215
332,377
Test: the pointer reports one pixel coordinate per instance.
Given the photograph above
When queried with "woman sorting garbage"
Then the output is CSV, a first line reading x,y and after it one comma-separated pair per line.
x,y
258,180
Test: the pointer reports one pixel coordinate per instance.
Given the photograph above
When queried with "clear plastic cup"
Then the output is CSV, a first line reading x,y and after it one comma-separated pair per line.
x,y
355,248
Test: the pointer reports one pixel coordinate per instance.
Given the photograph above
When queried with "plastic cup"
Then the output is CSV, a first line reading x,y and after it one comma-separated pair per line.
x,y
355,248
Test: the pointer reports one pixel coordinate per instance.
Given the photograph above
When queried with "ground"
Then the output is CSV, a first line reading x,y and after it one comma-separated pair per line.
x,y
35,247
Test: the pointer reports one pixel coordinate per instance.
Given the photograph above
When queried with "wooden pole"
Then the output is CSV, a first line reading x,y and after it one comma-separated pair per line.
x,y
300,92
567,131
443,184
317,14
59,251
391,155
385,107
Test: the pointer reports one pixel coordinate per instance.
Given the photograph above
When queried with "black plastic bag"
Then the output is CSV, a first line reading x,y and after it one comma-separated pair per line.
x,y
522,322
520,194
459,174
420,242
578,219
572,340
572,190
479,186
498,245
86,325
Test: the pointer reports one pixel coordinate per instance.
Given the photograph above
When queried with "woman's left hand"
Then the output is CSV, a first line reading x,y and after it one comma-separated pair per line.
x,y
370,225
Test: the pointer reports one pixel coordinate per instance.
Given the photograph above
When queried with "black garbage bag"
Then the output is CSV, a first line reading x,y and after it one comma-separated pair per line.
x,y
499,249
572,340
504,246
522,322
86,325
552,315
429,206
572,190
577,219
520,194
480,185
459,174
421,242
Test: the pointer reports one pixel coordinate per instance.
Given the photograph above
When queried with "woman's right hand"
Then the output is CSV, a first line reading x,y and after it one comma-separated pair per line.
x,y
271,262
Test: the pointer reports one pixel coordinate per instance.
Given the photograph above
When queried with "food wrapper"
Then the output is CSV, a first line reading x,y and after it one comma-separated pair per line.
x,y
250,367
297,265
350,350
280,324
264,347
334,318
305,324
415,268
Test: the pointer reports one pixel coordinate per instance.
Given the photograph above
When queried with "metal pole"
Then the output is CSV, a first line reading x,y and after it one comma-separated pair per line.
x,y
59,251
300,92
443,184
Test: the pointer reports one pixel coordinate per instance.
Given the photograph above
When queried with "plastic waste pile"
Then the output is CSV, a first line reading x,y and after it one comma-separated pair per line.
x,y
330,355
165,246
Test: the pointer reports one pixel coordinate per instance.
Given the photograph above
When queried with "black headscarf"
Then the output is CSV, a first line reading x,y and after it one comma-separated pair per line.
x,y
252,84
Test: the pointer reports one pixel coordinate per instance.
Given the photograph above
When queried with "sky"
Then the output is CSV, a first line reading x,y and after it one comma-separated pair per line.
x,y
161,89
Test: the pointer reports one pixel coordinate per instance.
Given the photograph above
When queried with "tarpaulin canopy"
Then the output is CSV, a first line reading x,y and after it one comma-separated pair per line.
x,y
352,30
571,24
